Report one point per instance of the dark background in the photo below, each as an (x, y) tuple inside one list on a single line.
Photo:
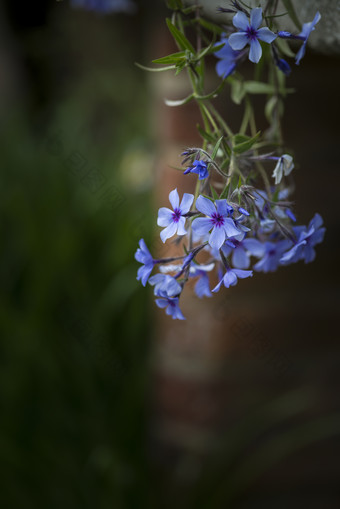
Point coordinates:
[(236, 407)]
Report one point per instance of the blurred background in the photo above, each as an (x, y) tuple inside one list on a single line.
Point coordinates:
[(105, 402)]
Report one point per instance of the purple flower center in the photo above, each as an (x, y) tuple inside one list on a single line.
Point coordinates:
[(251, 33), (176, 215), (272, 252), (217, 219)]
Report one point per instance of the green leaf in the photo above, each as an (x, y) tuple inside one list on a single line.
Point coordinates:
[(257, 87), (243, 143), (205, 135), (217, 146), (214, 193), (157, 69), (292, 14), (225, 192), (237, 91), (212, 48), (180, 38), (179, 102), (212, 94), (175, 4), (284, 47), (170, 59), (216, 29)]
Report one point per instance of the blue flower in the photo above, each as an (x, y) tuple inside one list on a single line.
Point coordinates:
[(250, 33), (231, 276), (105, 6), (165, 285), (307, 29), (307, 239), (143, 256), (218, 220), (199, 167), (271, 256), (228, 58), (202, 287), (242, 250), (172, 307), (173, 220)]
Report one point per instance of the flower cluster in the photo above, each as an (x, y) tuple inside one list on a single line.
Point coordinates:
[(240, 219), (250, 34)]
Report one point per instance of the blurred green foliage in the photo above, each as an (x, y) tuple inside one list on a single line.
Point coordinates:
[(75, 334)]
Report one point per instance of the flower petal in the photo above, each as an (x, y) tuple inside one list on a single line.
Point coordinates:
[(217, 237), (161, 303), (230, 228), (168, 232), (238, 41), (205, 206), (241, 21), (186, 202), (243, 273), (164, 217), (174, 199), (254, 246), (230, 278), (223, 208), (217, 287), (240, 258), (255, 51), (202, 225), (181, 227), (266, 35), (256, 18)]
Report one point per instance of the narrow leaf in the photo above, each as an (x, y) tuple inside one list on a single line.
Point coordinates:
[(180, 38), (217, 146), (155, 69), (245, 145), (179, 102), (292, 14)]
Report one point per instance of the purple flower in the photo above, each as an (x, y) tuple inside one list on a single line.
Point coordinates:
[(199, 167), (105, 6), (172, 307), (173, 220), (228, 58), (165, 285), (307, 239), (250, 33), (231, 276), (143, 256), (218, 220), (307, 29), (271, 255)]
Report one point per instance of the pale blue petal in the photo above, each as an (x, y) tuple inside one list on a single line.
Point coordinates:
[(238, 41), (317, 221), (255, 51), (301, 53), (230, 228), (217, 287), (202, 225), (161, 303), (243, 273), (224, 68), (240, 258), (168, 232), (174, 199), (266, 35), (205, 206), (144, 273), (222, 207), (180, 226), (230, 278), (217, 237), (186, 202), (256, 17), (254, 246), (241, 21), (164, 217)]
